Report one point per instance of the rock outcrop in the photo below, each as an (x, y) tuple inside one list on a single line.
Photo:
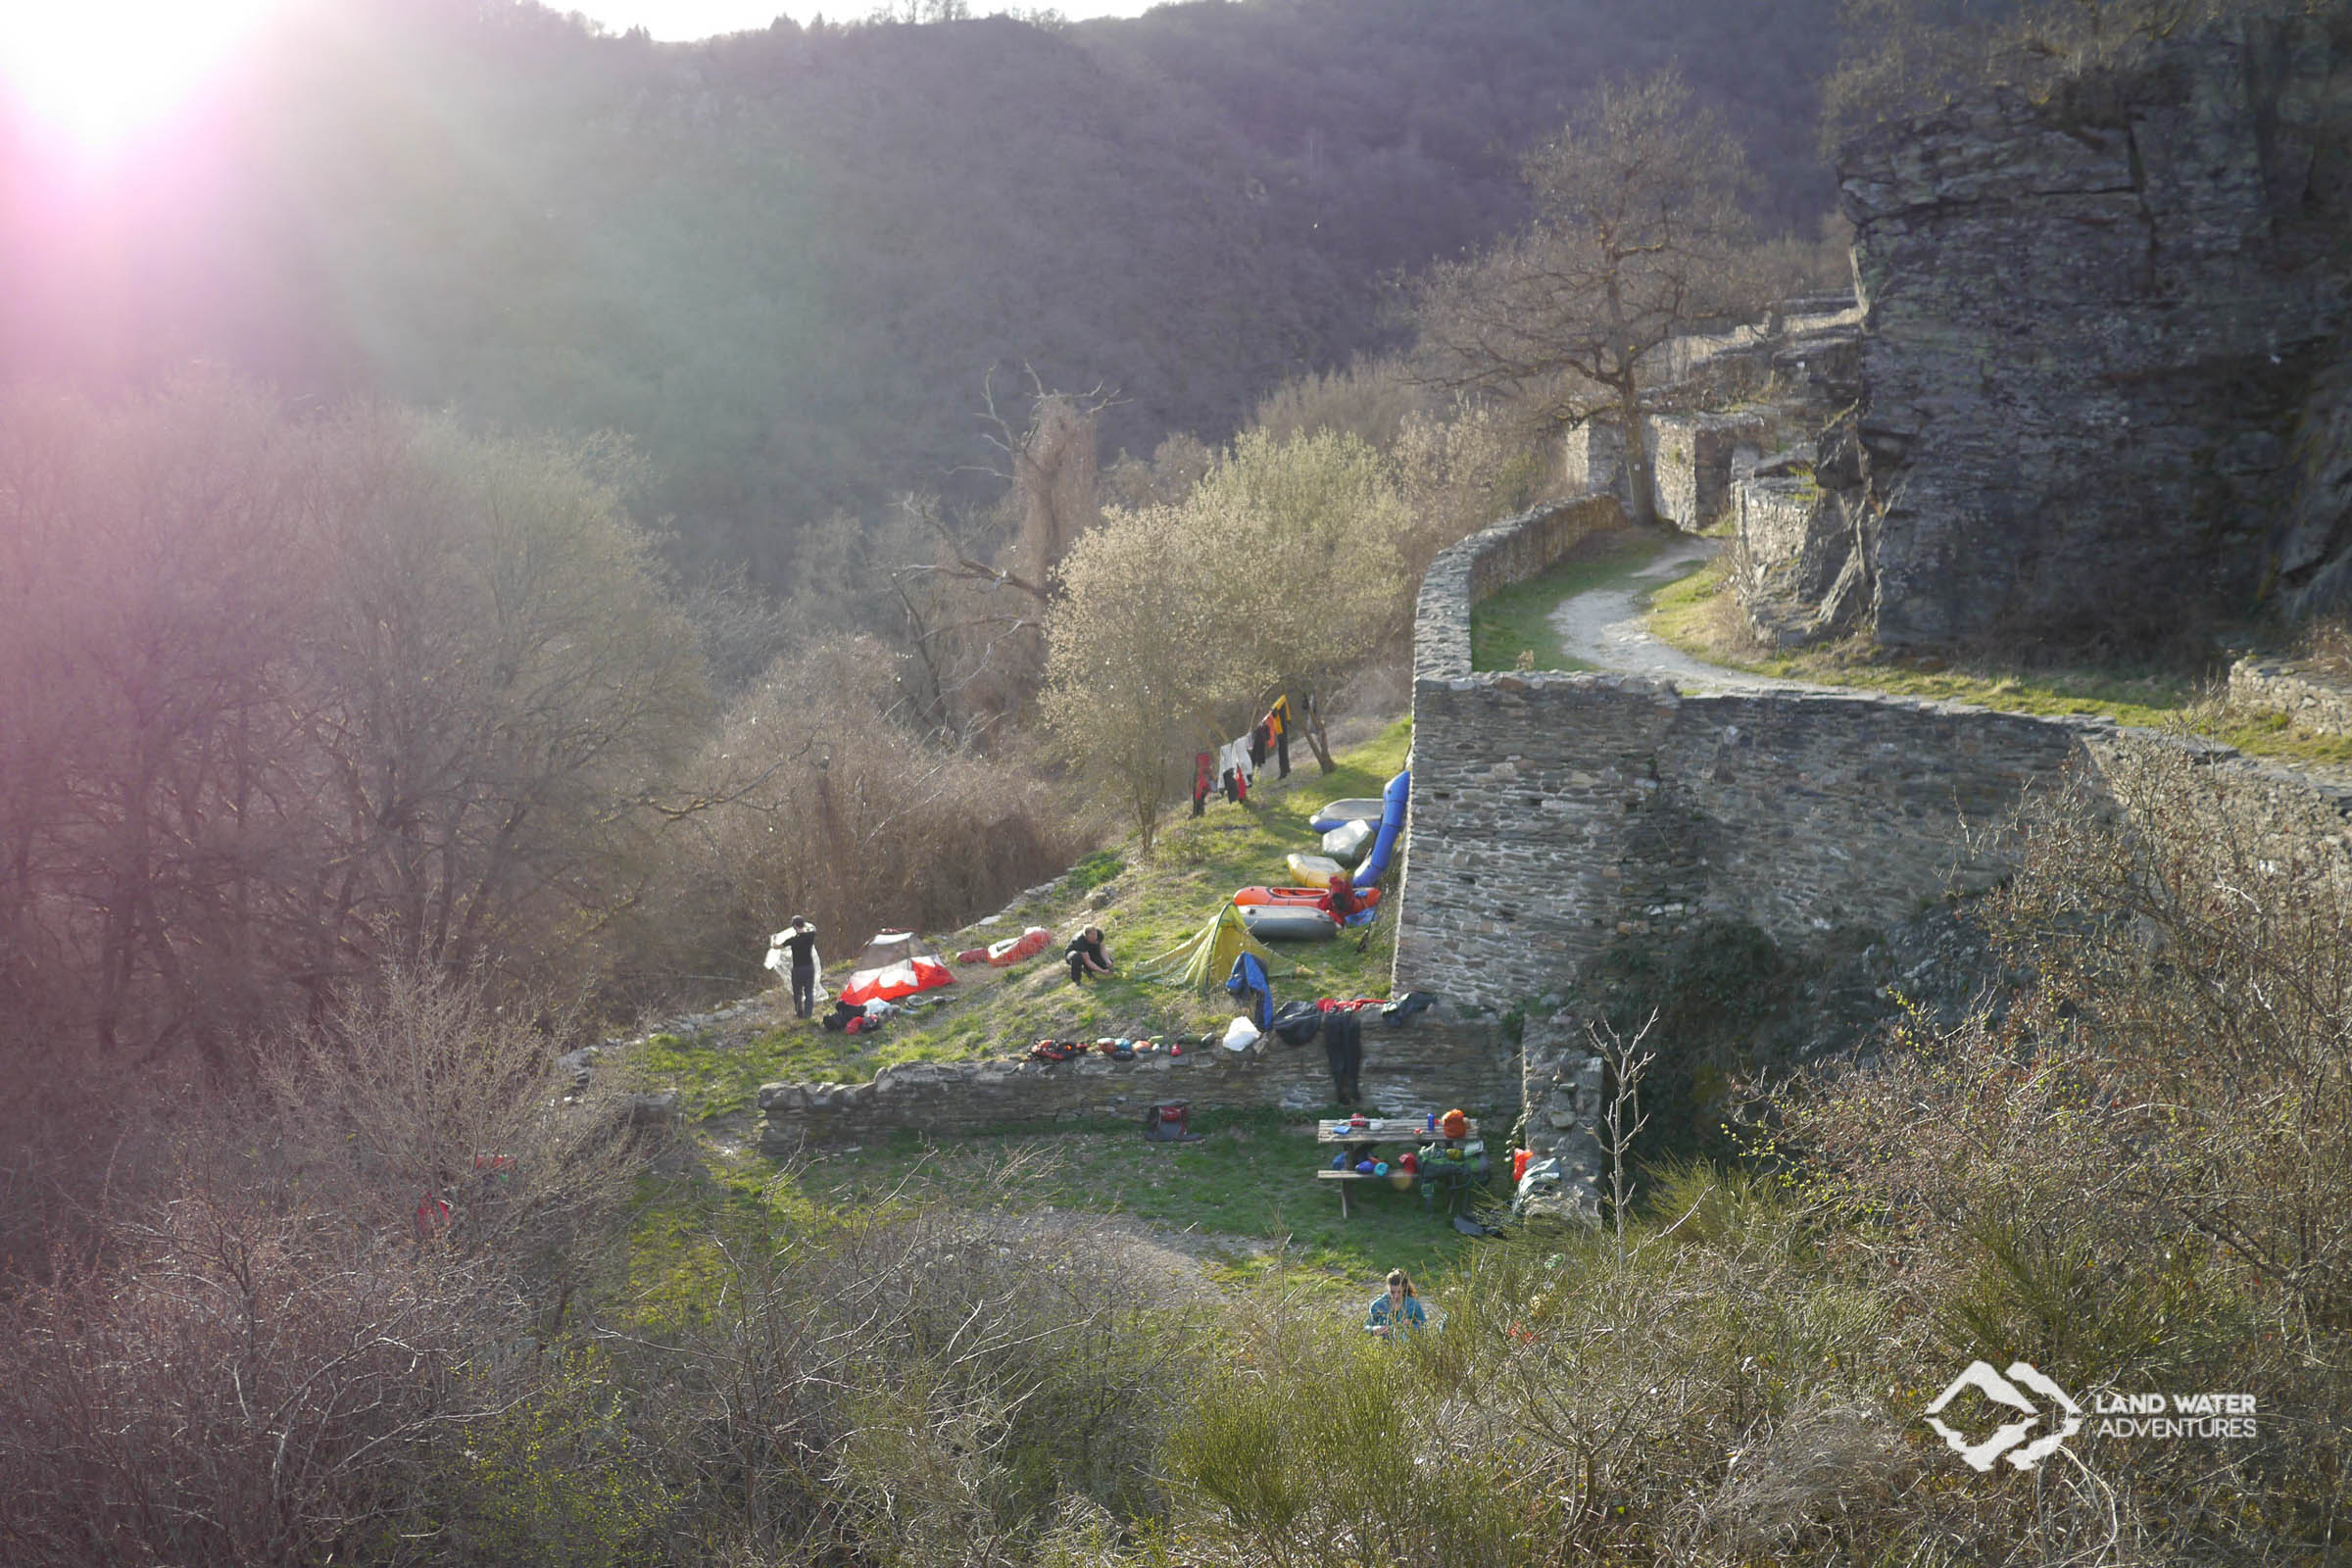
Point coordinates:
[(2096, 327)]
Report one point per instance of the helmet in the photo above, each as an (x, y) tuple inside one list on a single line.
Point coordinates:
[(1454, 1124)]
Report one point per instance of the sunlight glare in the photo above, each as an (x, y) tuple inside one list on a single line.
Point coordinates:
[(100, 70)]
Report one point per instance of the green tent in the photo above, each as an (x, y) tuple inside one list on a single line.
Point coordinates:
[(1203, 961)]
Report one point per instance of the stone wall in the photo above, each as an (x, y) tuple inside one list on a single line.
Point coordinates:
[(2095, 323), (1439, 1059), (1552, 813), (2314, 702)]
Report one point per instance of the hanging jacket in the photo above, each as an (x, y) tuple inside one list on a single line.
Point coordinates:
[(1247, 981)]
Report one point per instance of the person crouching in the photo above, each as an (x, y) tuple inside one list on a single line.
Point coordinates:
[(1086, 955)]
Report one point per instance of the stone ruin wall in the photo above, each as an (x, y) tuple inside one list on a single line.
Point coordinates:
[(1554, 814), (1438, 1060)]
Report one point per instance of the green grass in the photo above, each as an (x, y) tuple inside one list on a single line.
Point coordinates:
[(1248, 1185), (1691, 614), (1146, 908), (1249, 1181), (1518, 618)]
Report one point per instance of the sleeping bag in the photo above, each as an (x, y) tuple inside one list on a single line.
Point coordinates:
[(1013, 950)]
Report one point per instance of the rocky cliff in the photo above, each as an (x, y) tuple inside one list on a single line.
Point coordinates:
[(2101, 377)]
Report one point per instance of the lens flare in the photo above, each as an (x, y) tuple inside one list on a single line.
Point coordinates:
[(100, 70)]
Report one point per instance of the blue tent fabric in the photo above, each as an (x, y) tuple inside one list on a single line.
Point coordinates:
[(1249, 979)]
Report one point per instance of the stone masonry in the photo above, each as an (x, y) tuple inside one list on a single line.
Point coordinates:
[(1552, 814), (1437, 1061)]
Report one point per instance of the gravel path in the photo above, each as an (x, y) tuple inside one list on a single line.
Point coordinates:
[(1604, 626)]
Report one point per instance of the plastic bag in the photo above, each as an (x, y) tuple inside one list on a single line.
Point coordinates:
[(1241, 1035)]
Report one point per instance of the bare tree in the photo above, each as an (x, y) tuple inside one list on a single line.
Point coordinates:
[(1638, 234)]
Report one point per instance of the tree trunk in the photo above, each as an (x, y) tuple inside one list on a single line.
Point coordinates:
[(1640, 484), (1315, 738)]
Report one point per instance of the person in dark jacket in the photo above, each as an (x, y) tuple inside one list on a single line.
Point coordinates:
[(1086, 955), (799, 940)]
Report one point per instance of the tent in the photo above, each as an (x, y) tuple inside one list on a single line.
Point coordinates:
[(1206, 957), (892, 981), (895, 964), (893, 947)]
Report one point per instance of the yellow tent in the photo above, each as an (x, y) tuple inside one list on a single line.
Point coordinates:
[(1204, 959)]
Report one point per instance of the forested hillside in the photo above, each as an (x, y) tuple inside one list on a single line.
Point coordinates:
[(783, 261)]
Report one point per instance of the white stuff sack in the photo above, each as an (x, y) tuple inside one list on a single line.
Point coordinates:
[(1241, 1035)]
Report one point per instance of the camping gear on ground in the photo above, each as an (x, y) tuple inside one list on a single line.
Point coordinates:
[(1241, 1035), (843, 1014), (1165, 1124), (1206, 957), (1052, 1050), (1013, 950), (1288, 923), (1393, 801), (1298, 1022), (1314, 870), (878, 1009), (896, 980), (1540, 1179), (1339, 813), (1247, 984), (1519, 1159), (1347, 842), (972, 956)]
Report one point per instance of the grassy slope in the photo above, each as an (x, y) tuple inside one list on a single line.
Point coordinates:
[(1143, 909), (1518, 618), (1249, 1180), (1689, 615)]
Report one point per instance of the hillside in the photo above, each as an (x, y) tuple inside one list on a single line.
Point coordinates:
[(782, 263)]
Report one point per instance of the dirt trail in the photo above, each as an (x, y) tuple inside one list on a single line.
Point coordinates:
[(1604, 626)]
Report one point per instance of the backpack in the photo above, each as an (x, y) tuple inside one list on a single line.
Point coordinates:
[(1165, 1124)]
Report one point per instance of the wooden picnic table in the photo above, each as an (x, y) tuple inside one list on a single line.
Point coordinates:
[(1412, 1130)]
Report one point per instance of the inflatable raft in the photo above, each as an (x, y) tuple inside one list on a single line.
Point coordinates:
[(1288, 923), (1339, 813)]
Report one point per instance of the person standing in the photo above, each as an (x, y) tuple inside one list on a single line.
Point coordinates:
[(1397, 1310), (798, 941)]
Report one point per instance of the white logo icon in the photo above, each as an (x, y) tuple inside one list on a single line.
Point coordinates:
[(1980, 1377)]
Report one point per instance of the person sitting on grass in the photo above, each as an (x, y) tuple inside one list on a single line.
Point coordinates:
[(1398, 1310), (1086, 955)]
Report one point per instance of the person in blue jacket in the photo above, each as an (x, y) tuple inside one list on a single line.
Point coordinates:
[(1397, 1310)]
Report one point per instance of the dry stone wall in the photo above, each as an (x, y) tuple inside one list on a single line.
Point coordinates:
[(1437, 1061)]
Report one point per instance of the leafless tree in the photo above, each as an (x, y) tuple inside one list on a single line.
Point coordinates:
[(1638, 234)]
